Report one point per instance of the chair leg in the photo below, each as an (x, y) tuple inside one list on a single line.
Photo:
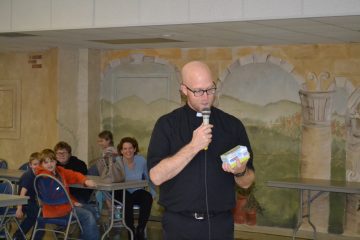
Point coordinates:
[(19, 227), (68, 226), (105, 227), (55, 236), (7, 227), (7, 233), (34, 230), (4, 228)]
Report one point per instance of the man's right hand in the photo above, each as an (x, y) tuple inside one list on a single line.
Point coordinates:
[(169, 167), (202, 137)]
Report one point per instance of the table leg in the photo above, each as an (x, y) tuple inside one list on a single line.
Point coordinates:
[(308, 212), (300, 215), (123, 215), (112, 216), (310, 199)]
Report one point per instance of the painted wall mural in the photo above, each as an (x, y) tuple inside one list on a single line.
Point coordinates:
[(135, 93), (269, 111), (262, 91)]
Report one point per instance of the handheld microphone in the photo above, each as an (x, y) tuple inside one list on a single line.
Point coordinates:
[(206, 117)]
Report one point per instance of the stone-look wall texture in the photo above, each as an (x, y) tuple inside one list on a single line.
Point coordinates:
[(59, 101), (338, 59), (38, 104), (78, 121), (93, 112), (67, 119)]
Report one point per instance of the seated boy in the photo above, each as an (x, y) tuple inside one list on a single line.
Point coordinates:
[(85, 212), (30, 210)]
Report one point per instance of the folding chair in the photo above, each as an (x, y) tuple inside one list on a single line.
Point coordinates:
[(50, 191), (7, 214), (3, 164), (24, 166)]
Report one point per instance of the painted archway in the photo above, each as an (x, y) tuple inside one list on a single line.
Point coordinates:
[(135, 92), (262, 91)]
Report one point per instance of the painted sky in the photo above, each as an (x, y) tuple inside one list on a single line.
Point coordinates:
[(261, 84), (148, 81)]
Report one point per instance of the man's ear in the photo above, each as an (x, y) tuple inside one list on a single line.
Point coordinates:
[(183, 89)]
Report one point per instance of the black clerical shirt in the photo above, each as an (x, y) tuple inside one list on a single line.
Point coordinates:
[(186, 191)]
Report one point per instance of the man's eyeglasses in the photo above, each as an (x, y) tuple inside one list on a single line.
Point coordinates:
[(200, 92)]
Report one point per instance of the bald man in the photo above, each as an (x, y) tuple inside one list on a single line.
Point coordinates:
[(197, 189)]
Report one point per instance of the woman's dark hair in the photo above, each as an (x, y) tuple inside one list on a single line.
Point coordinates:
[(107, 135), (130, 140)]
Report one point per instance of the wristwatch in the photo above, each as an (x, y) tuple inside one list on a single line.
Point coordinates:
[(241, 174)]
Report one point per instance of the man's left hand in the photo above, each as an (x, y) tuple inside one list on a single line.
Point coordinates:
[(238, 168)]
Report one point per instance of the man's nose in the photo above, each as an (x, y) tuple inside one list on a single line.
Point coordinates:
[(205, 96)]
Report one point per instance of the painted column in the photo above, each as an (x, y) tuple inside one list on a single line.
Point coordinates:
[(352, 222), (316, 149)]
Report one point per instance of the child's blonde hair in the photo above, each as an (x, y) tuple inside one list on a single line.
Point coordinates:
[(47, 153), (34, 156)]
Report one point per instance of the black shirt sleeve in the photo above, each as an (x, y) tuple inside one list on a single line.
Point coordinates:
[(158, 147)]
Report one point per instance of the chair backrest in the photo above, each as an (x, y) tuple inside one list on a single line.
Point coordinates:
[(3, 164), (6, 186), (24, 166), (50, 190)]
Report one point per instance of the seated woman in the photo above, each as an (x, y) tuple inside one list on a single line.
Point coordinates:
[(85, 212), (106, 143), (135, 169)]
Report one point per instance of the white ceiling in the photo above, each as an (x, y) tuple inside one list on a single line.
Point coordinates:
[(344, 29)]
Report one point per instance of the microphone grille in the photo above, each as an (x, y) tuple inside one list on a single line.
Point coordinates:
[(206, 112)]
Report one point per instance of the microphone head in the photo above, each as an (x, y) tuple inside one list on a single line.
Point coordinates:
[(206, 112), (206, 115)]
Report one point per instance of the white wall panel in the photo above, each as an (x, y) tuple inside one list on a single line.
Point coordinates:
[(31, 15), (116, 12), (163, 12), (263, 9), (215, 10), (331, 7), (5, 17), (72, 13)]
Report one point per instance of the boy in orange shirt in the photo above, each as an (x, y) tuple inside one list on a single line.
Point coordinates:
[(84, 212)]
